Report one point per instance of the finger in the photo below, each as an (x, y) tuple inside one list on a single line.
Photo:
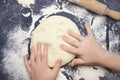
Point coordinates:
[(32, 57), (39, 51), (77, 36), (27, 64), (45, 55), (69, 49), (70, 41), (77, 62), (57, 66), (89, 31)]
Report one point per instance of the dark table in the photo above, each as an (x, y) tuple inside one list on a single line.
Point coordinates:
[(17, 24)]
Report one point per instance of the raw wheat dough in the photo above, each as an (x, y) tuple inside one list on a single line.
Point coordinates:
[(49, 32)]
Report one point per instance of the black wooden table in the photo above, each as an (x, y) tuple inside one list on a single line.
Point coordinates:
[(18, 22)]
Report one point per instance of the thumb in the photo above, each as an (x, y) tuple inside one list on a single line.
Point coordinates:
[(77, 62), (57, 66)]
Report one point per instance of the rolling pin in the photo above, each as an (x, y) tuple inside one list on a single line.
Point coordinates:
[(97, 7)]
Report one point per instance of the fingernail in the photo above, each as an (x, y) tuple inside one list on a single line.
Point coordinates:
[(69, 31), (87, 25), (61, 46), (38, 43), (32, 48), (24, 57), (63, 37), (60, 61), (71, 65)]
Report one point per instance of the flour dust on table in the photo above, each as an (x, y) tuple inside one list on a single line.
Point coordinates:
[(26, 3), (18, 39)]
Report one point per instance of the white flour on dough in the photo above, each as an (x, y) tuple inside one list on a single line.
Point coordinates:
[(26, 3)]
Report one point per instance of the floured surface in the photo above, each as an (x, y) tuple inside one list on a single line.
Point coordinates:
[(26, 3), (16, 30)]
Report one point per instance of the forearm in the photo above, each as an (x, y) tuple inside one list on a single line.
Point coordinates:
[(111, 61)]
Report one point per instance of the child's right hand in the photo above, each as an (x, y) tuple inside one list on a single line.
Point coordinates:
[(37, 67), (87, 48)]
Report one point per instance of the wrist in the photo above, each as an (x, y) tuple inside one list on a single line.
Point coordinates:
[(106, 60), (102, 57)]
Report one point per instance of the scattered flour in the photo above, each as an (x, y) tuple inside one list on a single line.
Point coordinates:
[(99, 30), (26, 3), (114, 42), (17, 45), (88, 73), (26, 15), (13, 55)]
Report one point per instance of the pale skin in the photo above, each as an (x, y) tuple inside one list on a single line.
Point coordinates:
[(38, 68), (90, 51)]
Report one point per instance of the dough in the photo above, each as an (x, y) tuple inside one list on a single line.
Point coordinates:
[(49, 32)]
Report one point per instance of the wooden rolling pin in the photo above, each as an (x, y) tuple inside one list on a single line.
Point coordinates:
[(97, 7)]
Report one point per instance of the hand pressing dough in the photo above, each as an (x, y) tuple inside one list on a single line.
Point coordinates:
[(49, 32)]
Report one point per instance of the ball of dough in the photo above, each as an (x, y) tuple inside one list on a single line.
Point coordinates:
[(49, 32)]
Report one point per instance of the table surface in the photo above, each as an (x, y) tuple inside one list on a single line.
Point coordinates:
[(18, 22)]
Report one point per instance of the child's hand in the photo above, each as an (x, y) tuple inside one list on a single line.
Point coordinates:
[(38, 68), (87, 48)]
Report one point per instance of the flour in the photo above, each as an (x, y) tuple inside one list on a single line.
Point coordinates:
[(114, 41), (26, 15), (14, 52), (16, 49), (17, 44), (53, 9), (89, 74), (26, 3), (99, 30)]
